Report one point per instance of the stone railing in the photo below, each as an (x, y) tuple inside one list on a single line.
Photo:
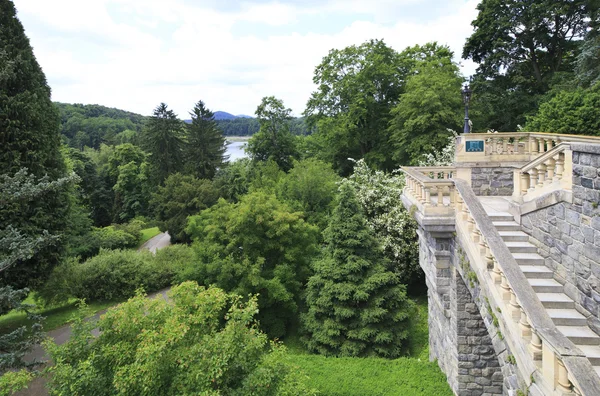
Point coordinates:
[(431, 189), (512, 146), (550, 171), (543, 355)]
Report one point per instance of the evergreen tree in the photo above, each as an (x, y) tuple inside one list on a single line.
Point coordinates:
[(356, 306), (205, 148), (163, 139), (29, 138)]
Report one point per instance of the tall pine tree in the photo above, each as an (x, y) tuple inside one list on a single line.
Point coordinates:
[(356, 306), (29, 138), (205, 146), (163, 138)]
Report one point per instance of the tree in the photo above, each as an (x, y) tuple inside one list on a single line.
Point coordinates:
[(310, 187), (163, 139), (542, 35), (180, 197), (358, 86), (203, 342), (257, 246), (356, 306), (379, 195), (205, 144), (16, 249), (29, 138), (572, 112), (587, 68), (430, 105), (274, 140)]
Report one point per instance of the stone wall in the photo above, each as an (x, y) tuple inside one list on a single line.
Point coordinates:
[(494, 181), (458, 335), (568, 235)]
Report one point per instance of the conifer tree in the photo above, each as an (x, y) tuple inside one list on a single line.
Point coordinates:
[(29, 138), (205, 148), (356, 306), (163, 138)]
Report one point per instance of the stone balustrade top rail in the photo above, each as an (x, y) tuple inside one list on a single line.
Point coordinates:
[(546, 156), (578, 366), (560, 137)]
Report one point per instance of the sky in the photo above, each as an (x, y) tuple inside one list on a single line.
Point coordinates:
[(135, 54)]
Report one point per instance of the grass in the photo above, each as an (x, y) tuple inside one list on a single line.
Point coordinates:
[(148, 233), (413, 375), (56, 316)]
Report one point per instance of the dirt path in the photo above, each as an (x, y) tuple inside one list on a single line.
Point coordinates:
[(62, 334)]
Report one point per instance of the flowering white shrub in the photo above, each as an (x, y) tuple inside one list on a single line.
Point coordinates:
[(444, 157), (379, 195)]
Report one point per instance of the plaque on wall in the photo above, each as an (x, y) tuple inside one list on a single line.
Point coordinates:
[(475, 146)]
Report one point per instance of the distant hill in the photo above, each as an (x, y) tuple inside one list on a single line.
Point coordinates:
[(243, 116), (223, 115)]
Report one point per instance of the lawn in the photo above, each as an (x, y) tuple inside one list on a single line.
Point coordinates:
[(413, 375), (148, 233)]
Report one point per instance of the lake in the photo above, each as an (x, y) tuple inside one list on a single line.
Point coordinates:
[(235, 150)]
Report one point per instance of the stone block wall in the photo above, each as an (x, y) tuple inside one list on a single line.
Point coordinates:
[(568, 235), (494, 181)]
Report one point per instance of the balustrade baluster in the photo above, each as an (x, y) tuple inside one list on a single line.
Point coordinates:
[(541, 168), (515, 306), (540, 145), (489, 259), (516, 145), (476, 234), (524, 325), (532, 179), (482, 244), (440, 196), (505, 145), (496, 272), (427, 196), (550, 165), (548, 144), (563, 383), (532, 145), (560, 167), (505, 288), (535, 345), (524, 183)]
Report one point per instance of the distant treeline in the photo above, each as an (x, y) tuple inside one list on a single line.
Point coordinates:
[(92, 125)]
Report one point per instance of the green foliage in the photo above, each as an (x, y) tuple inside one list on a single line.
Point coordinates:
[(110, 275), (93, 125), (358, 86), (310, 187), (13, 381), (233, 180), (587, 68), (204, 342), (205, 144), (30, 139), (356, 306), (379, 195), (163, 139), (373, 376), (257, 246), (573, 112), (429, 107), (274, 140), (180, 197)]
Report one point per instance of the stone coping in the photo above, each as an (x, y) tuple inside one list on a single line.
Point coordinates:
[(579, 366)]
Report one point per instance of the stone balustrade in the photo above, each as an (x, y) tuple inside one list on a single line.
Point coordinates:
[(431, 189), (542, 354), (552, 170), (512, 146)]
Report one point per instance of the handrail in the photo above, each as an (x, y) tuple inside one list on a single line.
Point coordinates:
[(547, 155), (525, 304), (421, 182), (561, 137)]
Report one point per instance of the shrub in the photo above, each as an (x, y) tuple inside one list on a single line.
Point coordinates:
[(204, 342)]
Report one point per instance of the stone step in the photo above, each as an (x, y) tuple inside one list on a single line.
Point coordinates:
[(528, 258), (507, 225), (537, 271), (546, 286), (567, 317), (501, 216), (592, 352), (556, 300), (580, 335), (521, 247), (597, 369), (514, 236)]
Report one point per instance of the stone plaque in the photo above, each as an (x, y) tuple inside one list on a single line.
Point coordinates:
[(475, 146)]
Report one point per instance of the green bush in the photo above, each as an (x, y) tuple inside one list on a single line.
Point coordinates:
[(204, 342)]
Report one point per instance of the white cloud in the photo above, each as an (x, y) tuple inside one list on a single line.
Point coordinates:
[(179, 52)]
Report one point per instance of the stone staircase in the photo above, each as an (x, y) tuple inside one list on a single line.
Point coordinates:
[(559, 306)]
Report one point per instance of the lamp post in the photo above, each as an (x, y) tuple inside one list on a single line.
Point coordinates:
[(466, 94)]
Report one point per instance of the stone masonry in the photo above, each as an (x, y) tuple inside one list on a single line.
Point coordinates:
[(494, 181), (568, 235), (458, 335)]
